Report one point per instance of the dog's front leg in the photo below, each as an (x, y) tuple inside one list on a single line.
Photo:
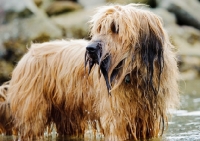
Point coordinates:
[(114, 127)]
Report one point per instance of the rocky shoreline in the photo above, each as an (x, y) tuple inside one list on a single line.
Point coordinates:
[(42, 20)]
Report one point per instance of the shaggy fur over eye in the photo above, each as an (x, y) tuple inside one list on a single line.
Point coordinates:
[(114, 28)]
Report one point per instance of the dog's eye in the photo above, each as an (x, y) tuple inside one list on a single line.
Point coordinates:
[(99, 29), (116, 71), (114, 28), (127, 78)]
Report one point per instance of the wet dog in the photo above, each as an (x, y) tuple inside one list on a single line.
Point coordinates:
[(123, 81)]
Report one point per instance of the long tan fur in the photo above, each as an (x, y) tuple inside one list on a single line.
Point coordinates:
[(51, 84)]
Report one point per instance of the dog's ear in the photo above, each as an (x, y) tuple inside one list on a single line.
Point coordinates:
[(151, 54)]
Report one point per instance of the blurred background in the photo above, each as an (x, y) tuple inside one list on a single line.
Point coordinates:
[(26, 21)]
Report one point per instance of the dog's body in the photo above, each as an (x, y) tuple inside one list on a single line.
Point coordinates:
[(48, 64), (127, 94)]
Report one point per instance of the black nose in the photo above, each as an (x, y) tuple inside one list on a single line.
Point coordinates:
[(93, 47)]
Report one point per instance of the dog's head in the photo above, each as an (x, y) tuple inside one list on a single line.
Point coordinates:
[(127, 43)]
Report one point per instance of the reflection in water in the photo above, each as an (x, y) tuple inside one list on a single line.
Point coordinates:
[(185, 122)]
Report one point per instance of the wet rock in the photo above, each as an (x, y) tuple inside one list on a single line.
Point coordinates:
[(2, 51), (36, 26), (151, 3), (127, 1), (15, 48), (76, 28), (185, 11), (186, 39), (189, 67), (30, 28), (38, 2), (168, 18), (189, 75), (6, 69), (7, 31), (191, 61), (190, 87), (187, 42), (91, 3), (58, 7), (13, 9)]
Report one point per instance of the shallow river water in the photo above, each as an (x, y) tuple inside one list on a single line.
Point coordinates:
[(185, 122)]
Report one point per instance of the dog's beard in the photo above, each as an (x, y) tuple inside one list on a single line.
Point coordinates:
[(92, 59), (104, 67), (95, 58)]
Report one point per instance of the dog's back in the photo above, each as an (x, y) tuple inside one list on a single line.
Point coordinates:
[(40, 81)]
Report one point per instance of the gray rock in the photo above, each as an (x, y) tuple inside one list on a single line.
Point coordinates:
[(150, 3), (168, 18), (187, 42), (16, 6), (74, 24), (188, 62), (91, 3), (185, 11), (38, 2), (37, 25), (30, 28), (6, 69), (13, 9), (34, 28), (189, 75), (7, 31), (186, 39), (2, 50), (58, 7)]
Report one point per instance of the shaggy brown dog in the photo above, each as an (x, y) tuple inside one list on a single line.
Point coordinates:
[(132, 81)]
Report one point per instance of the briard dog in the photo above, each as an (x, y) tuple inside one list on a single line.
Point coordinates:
[(119, 85)]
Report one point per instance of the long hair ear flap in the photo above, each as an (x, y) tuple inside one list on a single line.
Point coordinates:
[(151, 54)]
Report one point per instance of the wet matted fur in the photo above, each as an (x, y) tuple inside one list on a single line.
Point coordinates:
[(131, 86)]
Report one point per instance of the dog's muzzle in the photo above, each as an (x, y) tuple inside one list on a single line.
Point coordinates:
[(94, 51), (93, 56)]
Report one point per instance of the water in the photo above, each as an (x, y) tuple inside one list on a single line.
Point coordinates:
[(184, 124)]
